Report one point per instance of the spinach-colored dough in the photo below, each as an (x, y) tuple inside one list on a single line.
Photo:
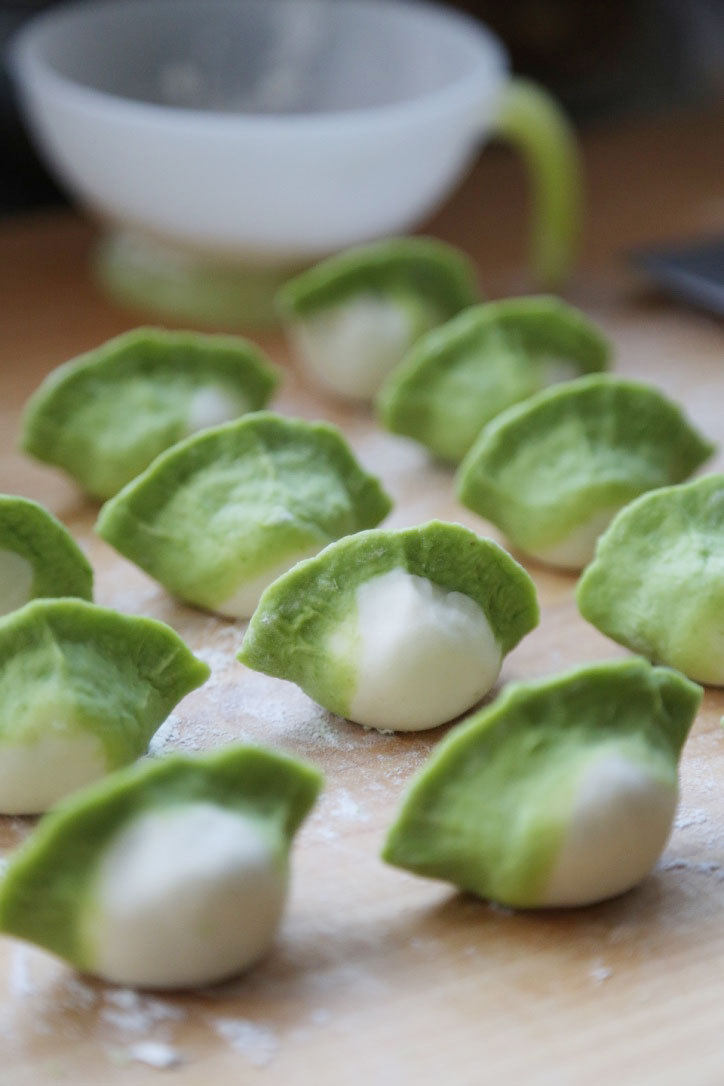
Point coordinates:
[(78, 681), (491, 809), (57, 565), (228, 506), (571, 453), (46, 896), (289, 634), (657, 581), (351, 319), (119, 675), (104, 416), (423, 268), (460, 376)]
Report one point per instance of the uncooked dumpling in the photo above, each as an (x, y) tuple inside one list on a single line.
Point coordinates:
[(352, 318), (38, 556), (82, 690), (656, 583), (170, 874), (399, 630), (562, 792), (104, 416), (221, 515), (552, 471), (460, 376)]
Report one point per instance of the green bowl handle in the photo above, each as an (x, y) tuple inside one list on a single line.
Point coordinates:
[(533, 122)]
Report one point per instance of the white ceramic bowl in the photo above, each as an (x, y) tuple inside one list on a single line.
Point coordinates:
[(274, 129)]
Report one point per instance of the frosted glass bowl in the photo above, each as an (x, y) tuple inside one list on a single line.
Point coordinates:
[(216, 135)]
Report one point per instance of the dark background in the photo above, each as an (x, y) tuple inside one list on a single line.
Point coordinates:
[(604, 59)]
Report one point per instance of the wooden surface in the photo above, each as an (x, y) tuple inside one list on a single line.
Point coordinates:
[(378, 976)]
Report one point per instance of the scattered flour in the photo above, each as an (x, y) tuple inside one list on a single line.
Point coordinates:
[(334, 813), (131, 1012), (692, 817), (80, 996), (600, 973), (190, 737), (44, 998), (346, 808), (219, 646), (154, 1054), (258, 1043)]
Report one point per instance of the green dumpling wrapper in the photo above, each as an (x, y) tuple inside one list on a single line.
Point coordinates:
[(104, 416), (168, 874), (353, 317), (398, 630), (38, 556), (219, 516), (560, 793), (425, 266), (460, 376), (82, 690), (656, 583), (552, 471)]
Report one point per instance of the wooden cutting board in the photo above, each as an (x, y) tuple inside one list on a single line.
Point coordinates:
[(378, 976)]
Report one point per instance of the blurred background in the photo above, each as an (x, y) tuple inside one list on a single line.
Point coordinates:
[(605, 59)]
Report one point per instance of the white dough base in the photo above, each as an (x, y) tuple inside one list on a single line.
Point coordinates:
[(351, 347), (35, 775), (185, 895), (16, 581), (243, 602), (577, 549), (213, 406), (619, 826), (424, 654)]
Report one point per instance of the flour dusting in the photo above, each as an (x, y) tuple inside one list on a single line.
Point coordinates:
[(155, 1054), (127, 1010), (600, 972), (256, 1042)]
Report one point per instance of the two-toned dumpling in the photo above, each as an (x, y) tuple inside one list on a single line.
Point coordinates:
[(562, 792), (104, 416), (170, 874), (458, 377), (657, 581), (219, 516), (353, 317), (82, 690), (552, 471), (38, 556), (399, 630)]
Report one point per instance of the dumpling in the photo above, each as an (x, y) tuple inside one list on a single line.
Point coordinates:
[(221, 515), (82, 690), (398, 630), (460, 376), (38, 556), (104, 416), (170, 874), (656, 583), (560, 793), (353, 317), (552, 471)]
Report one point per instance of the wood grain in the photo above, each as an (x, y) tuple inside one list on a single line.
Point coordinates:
[(378, 976)]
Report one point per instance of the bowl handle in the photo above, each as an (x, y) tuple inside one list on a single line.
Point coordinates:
[(533, 122)]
